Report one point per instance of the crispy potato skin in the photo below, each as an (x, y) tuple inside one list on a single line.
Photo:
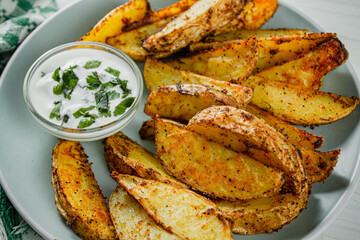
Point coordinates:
[(308, 70), (254, 14), (116, 20), (299, 106), (192, 25), (264, 215), (232, 176), (130, 42), (158, 73), (181, 102), (278, 49), (132, 221), (155, 16), (180, 211), (294, 135), (126, 156), (230, 63), (259, 33), (241, 131), (318, 165), (77, 194)]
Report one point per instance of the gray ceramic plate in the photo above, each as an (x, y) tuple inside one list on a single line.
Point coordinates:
[(25, 149)]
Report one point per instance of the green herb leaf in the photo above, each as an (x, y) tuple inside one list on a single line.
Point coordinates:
[(42, 74), (126, 92), (92, 64), (121, 107), (70, 80), (107, 85), (55, 113), (112, 71), (93, 81), (102, 101), (83, 111), (123, 86), (66, 118), (58, 89), (85, 123), (56, 75), (113, 95)]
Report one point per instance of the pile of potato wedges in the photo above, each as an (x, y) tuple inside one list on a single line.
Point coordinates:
[(224, 100)]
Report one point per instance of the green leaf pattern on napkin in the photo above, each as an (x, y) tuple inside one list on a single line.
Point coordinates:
[(17, 19)]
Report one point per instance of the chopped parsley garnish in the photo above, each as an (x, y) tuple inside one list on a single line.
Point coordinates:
[(92, 64), (102, 93), (83, 112), (121, 107), (102, 102), (66, 118), (56, 75), (112, 71), (55, 113), (86, 122), (58, 89), (93, 81), (113, 95), (69, 81)]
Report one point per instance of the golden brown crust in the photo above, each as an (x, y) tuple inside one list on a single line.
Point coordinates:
[(229, 63), (180, 211), (297, 105), (192, 25), (158, 73), (264, 215), (181, 102), (116, 20), (308, 70), (232, 176), (242, 131), (77, 194), (126, 156)]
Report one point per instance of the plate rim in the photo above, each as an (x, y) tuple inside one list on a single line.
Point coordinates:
[(314, 233)]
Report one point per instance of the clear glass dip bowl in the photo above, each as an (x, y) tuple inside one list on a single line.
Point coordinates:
[(90, 133)]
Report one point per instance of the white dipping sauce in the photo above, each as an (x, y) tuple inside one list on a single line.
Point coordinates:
[(42, 84)]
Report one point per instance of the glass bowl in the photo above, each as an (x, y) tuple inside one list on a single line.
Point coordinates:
[(89, 133)]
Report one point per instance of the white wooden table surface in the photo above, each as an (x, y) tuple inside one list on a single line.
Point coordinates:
[(341, 17)]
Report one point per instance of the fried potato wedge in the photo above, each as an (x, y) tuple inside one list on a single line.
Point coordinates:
[(274, 50), (132, 221), (264, 215), (180, 211), (259, 33), (146, 130), (318, 165), (115, 21), (242, 131), (130, 42), (181, 102), (192, 25), (158, 73), (166, 12), (230, 63), (254, 14), (299, 106), (126, 156), (294, 135), (232, 176), (77, 195), (308, 70)]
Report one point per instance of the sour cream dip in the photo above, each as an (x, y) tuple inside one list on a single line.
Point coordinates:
[(82, 88)]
